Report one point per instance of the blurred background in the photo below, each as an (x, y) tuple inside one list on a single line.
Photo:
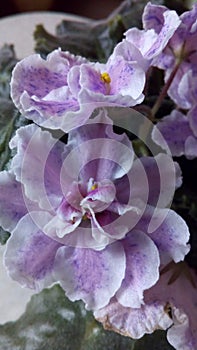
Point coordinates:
[(96, 9)]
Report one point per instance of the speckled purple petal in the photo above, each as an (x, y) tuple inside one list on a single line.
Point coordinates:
[(37, 165), (174, 130), (121, 90), (168, 231), (124, 75), (39, 89), (38, 77), (90, 275), (142, 39), (160, 25), (13, 204), (54, 104), (129, 51), (142, 268), (153, 18), (171, 23), (29, 256), (127, 78), (132, 322)]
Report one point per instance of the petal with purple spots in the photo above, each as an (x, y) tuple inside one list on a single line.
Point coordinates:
[(30, 254), (90, 275), (142, 268)]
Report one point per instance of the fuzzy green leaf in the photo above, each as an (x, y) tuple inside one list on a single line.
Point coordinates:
[(94, 39), (53, 322)]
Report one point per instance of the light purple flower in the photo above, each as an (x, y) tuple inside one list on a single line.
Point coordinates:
[(186, 90), (85, 207), (145, 45), (179, 131), (170, 305), (62, 91), (181, 48)]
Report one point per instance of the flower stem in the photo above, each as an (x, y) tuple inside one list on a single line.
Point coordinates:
[(164, 91)]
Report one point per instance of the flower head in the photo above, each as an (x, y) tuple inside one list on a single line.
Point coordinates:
[(180, 49), (85, 207), (179, 132), (62, 91), (147, 44)]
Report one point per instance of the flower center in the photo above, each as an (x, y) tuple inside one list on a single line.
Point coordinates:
[(94, 187), (105, 78)]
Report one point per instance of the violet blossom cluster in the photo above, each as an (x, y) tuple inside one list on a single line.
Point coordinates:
[(89, 214)]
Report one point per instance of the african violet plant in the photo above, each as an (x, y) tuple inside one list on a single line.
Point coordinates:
[(96, 188)]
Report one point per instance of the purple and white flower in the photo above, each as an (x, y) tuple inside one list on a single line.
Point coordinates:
[(62, 91), (81, 208), (179, 132), (147, 44), (181, 48), (170, 305)]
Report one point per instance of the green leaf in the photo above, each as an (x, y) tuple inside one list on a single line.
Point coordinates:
[(92, 39), (52, 322), (10, 118), (7, 62), (3, 236), (10, 121)]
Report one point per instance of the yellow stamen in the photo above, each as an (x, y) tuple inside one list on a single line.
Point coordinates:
[(105, 78), (94, 187)]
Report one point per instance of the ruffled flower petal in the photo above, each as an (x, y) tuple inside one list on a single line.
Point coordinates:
[(133, 322), (99, 152), (30, 254), (153, 17), (168, 231), (179, 295), (37, 165), (173, 131), (90, 275), (169, 305), (142, 268), (62, 91), (39, 89), (160, 25), (123, 74), (179, 82)]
